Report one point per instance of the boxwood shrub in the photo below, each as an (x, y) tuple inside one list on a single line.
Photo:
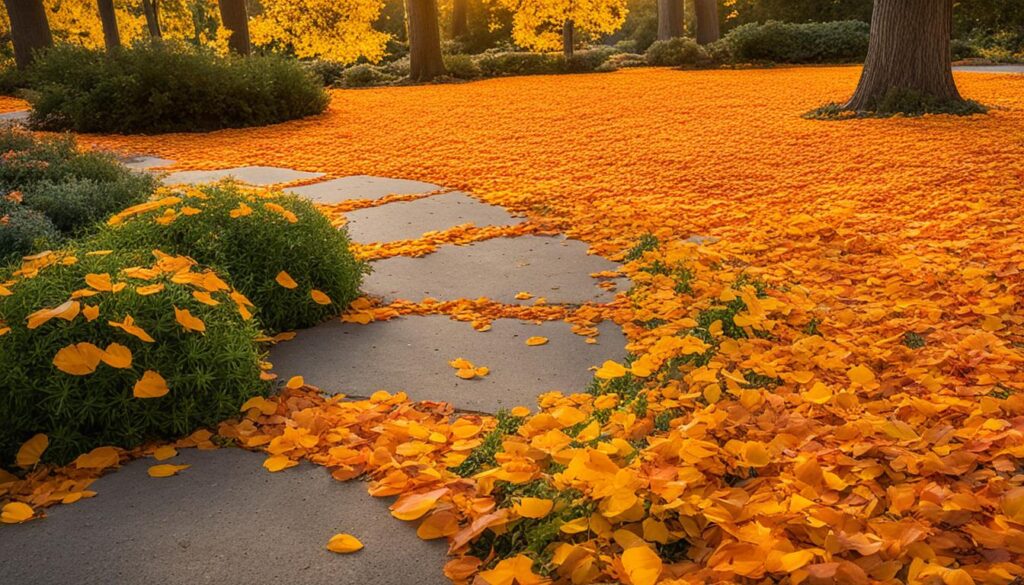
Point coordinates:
[(167, 87), (252, 235), (675, 52), (84, 402), (24, 231), (844, 41)]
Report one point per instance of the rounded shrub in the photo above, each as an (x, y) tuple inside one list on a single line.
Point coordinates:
[(118, 348), (461, 66), (675, 52), (76, 204), (253, 236), (24, 231), (844, 41), (520, 63), (167, 87)]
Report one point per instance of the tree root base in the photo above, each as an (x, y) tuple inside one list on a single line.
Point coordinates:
[(898, 102)]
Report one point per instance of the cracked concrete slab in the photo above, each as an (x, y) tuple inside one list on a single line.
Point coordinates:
[(411, 354), (552, 267), (404, 220), (990, 68), (16, 117), (224, 520), (258, 176), (145, 163), (361, 187)]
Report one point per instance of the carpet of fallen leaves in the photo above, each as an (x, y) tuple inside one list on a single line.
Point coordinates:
[(831, 392), (11, 104)]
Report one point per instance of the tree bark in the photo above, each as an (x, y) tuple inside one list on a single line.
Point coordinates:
[(670, 19), (908, 52), (460, 18), (108, 18), (30, 31), (425, 61), (568, 28), (151, 9), (706, 13), (236, 20)]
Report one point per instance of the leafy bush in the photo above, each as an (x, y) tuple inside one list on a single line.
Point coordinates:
[(518, 63), (625, 60), (461, 66), (843, 41), (251, 236), (589, 60), (366, 75), (675, 52), (11, 78), (167, 87), (75, 205), (329, 72), (72, 361), (24, 231)]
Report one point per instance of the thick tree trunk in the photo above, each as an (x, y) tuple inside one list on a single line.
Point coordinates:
[(568, 30), (425, 61), (108, 18), (236, 20), (151, 9), (460, 18), (908, 53), (706, 13), (670, 19), (30, 30)]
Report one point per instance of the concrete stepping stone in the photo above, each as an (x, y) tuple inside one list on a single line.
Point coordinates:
[(16, 117), (411, 354), (361, 187), (552, 267), (226, 519), (258, 176), (145, 163), (405, 220), (990, 68)]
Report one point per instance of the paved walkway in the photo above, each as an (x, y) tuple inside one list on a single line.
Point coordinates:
[(226, 519)]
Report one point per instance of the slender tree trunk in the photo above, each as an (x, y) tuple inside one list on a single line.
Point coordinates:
[(108, 18), (425, 61), (30, 31), (460, 18), (236, 20), (151, 9), (568, 28), (706, 12), (908, 52), (670, 19)]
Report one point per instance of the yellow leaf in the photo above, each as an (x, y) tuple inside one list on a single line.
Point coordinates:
[(164, 453), (277, 463), (414, 506), (129, 327), (575, 526), (149, 289), (187, 320), (67, 311), (518, 569), (32, 450), (533, 507), (16, 513), (861, 375), (344, 543), (165, 470), (466, 374), (117, 356), (610, 370), (461, 364), (482, 371), (642, 565), (319, 297), (100, 282), (98, 458), (284, 279), (91, 312), (79, 359), (523, 295), (796, 560), (756, 455), (205, 298), (266, 407), (818, 394), (295, 382), (536, 340), (438, 525), (151, 385)]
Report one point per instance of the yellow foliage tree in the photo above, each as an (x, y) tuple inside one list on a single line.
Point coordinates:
[(539, 24), (338, 30)]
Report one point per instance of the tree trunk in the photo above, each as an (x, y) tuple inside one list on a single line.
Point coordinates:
[(108, 18), (30, 30), (908, 52), (460, 18), (236, 20), (706, 12), (670, 19), (568, 28), (425, 61), (151, 9)]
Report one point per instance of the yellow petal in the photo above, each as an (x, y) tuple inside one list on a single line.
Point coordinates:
[(295, 382), (98, 458), (610, 370), (79, 359), (151, 385), (861, 375), (117, 356), (642, 564), (205, 298), (164, 453), (284, 279), (165, 470), (533, 507), (414, 506), (32, 450), (319, 297), (187, 320), (344, 543), (536, 340), (16, 513), (277, 463)]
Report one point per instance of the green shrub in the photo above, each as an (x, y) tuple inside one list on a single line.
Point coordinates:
[(589, 60), (167, 87), (12, 80), (962, 49), (461, 66), (517, 63), (329, 72), (675, 52), (209, 374), (75, 205), (251, 236), (24, 231), (366, 75), (625, 60), (843, 41)]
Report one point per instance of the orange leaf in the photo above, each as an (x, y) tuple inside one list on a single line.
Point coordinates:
[(188, 321), (284, 279), (79, 359), (344, 543), (151, 385), (117, 356), (32, 450), (165, 470), (319, 297)]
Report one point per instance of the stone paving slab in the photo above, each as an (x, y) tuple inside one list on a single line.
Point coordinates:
[(555, 268), (145, 163), (258, 176), (361, 187), (405, 220), (225, 520), (15, 117), (411, 354), (990, 68)]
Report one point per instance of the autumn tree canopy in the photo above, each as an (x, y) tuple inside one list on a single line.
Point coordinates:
[(538, 24)]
